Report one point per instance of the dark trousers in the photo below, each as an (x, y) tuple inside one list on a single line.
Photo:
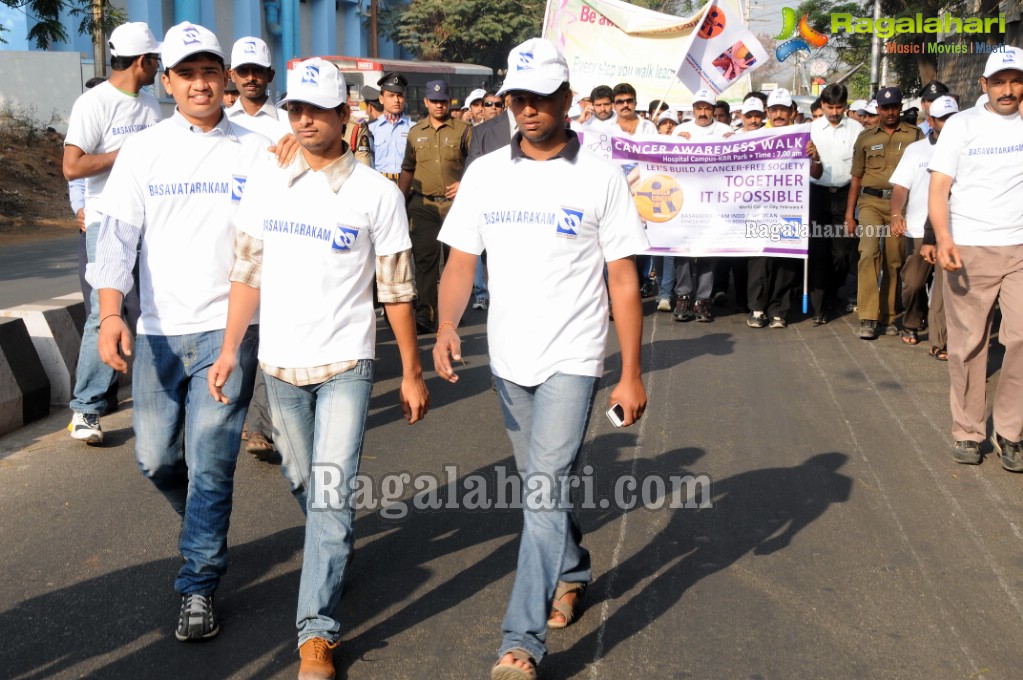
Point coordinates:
[(738, 267), (425, 219), (771, 282), (832, 253), (694, 275)]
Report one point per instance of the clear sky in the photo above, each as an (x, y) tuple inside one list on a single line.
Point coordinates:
[(14, 21)]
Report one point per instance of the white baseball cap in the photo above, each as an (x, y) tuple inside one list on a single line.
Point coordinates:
[(536, 66), (705, 96), (871, 107), (751, 105), (858, 105), (132, 39), (186, 39), (318, 82), (250, 50), (668, 114), (478, 93), (1009, 58), (944, 106), (779, 97)]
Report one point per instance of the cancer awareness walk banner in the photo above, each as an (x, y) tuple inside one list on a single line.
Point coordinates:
[(745, 195), (607, 42)]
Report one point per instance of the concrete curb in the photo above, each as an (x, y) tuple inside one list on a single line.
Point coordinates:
[(24, 385), (55, 329)]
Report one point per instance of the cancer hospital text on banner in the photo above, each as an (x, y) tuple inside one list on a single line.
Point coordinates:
[(724, 51), (745, 195)]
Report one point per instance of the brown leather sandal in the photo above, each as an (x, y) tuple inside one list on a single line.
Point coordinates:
[(569, 611), (509, 672)]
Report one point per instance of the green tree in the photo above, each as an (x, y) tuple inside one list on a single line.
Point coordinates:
[(471, 31), (48, 28)]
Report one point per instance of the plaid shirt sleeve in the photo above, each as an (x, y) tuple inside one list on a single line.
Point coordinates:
[(395, 282), (248, 260)]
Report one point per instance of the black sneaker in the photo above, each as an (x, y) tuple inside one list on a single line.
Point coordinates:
[(756, 320), (684, 309), (197, 620), (1011, 453), (703, 314), (778, 322), (868, 329), (966, 452)]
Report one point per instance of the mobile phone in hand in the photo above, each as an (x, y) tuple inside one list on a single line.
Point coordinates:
[(616, 414)]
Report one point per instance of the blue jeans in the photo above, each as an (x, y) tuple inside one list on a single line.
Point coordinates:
[(479, 283), (546, 425), (92, 377), (665, 276), (187, 444), (319, 429)]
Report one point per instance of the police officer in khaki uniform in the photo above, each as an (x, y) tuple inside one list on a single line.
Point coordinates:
[(876, 154), (434, 161)]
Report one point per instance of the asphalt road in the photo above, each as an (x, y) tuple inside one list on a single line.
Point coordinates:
[(842, 541), (32, 272)]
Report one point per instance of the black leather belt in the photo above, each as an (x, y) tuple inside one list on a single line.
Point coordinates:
[(831, 190), (880, 193), (436, 199)]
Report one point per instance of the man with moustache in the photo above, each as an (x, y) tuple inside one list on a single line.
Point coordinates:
[(627, 120), (832, 253), (974, 207), (876, 154)]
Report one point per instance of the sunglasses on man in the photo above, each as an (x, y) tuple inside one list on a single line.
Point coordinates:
[(491, 105)]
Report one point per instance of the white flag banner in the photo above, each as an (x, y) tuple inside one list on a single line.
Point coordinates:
[(724, 51), (607, 42)]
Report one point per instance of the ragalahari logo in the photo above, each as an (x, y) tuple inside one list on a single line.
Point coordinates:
[(807, 38)]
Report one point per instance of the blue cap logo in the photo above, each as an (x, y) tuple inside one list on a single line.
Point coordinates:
[(250, 47), (525, 61), (311, 74), (190, 36)]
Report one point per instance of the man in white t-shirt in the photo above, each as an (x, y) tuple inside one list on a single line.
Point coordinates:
[(911, 180), (703, 125), (101, 120), (977, 215), (560, 213), (323, 223), (694, 276), (252, 72), (176, 185)]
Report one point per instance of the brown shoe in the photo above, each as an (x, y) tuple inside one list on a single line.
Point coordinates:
[(317, 659)]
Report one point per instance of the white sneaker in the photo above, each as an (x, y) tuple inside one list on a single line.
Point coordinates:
[(85, 427), (481, 303), (664, 305)]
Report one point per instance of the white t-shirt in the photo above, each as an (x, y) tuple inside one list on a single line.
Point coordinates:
[(181, 187), (319, 260), (912, 173), (101, 120), (269, 121), (715, 129), (548, 228), (983, 153)]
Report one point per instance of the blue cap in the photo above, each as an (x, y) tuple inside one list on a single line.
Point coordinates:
[(888, 95), (437, 90)]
